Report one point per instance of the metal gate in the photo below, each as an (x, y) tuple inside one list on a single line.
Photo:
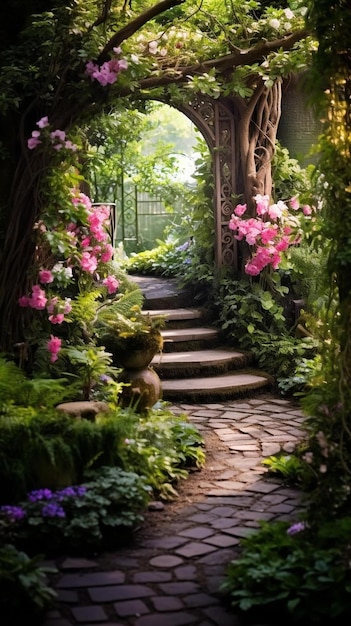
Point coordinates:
[(140, 219)]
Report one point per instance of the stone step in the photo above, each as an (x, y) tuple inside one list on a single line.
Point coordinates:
[(179, 339), (190, 363), (216, 388), (176, 318)]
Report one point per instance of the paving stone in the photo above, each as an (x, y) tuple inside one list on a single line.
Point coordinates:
[(225, 522), (179, 588), (131, 607), (222, 541), (281, 508), (77, 563), (202, 518), (221, 556), (122, 592), (165, 543), (197, 532), (89, 614), (262, 487), (223, 511), (180, 618), (166, 560), (67, 596), (185, 572), (239, 531), (95, 579), (167, 603), (200, 599), (152, 577), (194, 548)]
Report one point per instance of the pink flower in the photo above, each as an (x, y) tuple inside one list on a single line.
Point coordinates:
[(240, 209), (33, 142), (306, 209), (276, 210), (52, 304), (56, 319), (58, 134), (107, 253), (88, 262), (261, 204), (111, 283), (38, 299), (67, 308), (91, 68), (71, 146), (54, 346), (43, 122), (294, 203), (81, 198), (268, 234), (23, 301), (85, 243), (45, 276), (283, 244)]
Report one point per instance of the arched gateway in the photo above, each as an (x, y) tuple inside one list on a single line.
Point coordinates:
[(216, 121)]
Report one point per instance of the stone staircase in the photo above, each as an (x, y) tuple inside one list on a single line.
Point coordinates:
[(194, 366)]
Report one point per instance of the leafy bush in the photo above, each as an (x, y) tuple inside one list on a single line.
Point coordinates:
[(77, 518), (294, 573), (161, 447), (40, 448), (24, 593), (252, 317)]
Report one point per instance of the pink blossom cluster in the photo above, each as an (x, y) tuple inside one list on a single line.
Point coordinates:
[(58, 137), (94, 244), (90, 241), (106, 74), (39, 300), (270, 233)]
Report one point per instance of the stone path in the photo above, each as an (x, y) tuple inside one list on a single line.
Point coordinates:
[(171, 574)]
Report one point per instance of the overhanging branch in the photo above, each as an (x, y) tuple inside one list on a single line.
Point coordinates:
[(132, 27), (221, 64)]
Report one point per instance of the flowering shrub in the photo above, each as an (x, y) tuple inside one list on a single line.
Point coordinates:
[(77, 517), (72, 243), (270, 233)]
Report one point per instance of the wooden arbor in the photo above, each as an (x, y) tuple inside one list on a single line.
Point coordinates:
[(216, 121), (241, 137)]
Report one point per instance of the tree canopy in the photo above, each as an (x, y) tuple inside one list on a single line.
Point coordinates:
[(68, 60)]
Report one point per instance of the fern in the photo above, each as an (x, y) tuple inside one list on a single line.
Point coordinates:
[(84, 308)]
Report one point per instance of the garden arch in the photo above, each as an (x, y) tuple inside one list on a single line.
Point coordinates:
[(215, 119)]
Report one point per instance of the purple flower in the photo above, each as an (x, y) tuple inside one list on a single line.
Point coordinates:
[(296, 528), (40, 494), (53, 510), (70, 492), (14, 513)]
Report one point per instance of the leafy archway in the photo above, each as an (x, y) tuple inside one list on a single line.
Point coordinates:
[(68, 67)]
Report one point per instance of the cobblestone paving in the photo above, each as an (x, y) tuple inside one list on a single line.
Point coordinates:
[(170, 575)]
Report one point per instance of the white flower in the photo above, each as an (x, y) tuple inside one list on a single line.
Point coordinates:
[(274, 23), (289, 14)]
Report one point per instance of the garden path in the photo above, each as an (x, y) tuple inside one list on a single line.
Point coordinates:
[(170, 574)]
